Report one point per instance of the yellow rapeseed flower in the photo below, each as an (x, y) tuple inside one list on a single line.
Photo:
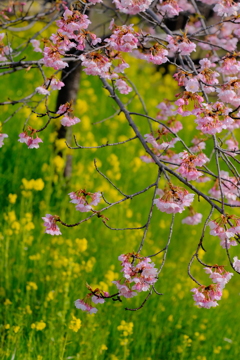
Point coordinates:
[(7, 302), (103, 347), (81, 244), (38, 185), (35, 257), (16, 329), (12, 198), (50, 295), (75, 324), (59, 163), (39, 325), (31, 285), (127, 328), (7, 326), (28, 310)]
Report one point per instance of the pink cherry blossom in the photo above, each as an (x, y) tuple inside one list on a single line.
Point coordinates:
[(124, 290), (123, 87), (69, 120), (56, 84), (132, 6), (96, 64), (52, 58), (236, 264), (207, 296), (173, 200), (226, 235), (124, 38), (227, 8), (188, 165), (42, 90), (84, 200), (157, 54), (193, 220), (50, 223), (2, 137), (219, 275), (180, 44), (36, 45), (192, 85), (29, 140), (80, 304), (170, 8)]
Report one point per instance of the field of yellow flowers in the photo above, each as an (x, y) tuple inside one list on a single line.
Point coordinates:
[(42, 276)]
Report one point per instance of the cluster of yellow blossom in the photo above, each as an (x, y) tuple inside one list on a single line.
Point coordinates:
[(32, 184), (75, 324), (39, 325)]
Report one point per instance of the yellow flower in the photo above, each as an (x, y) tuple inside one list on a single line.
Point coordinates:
[(10, 216), (39, 325), (30, 226), (12, 198), (35, 257), (7, 326), (50, 296), (31, 285), (26, 194), (7, 302), (127, 328), (28, 310), (81, 244), (16, 329), (75, 324), (16, 226), (217, 350), (90, 263), (59, 163), (103, 347), (39, 357), (38, 184)]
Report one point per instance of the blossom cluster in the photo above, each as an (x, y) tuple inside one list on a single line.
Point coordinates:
[(207, 296), (138, 270), (85, 200)]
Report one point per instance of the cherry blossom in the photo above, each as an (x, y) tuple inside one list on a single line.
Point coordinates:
[(123, 87), (225, 234), (173, 199), (188, 165), (170, 8), (156, 54), (36, 45), (180, 44), (84, 200), (218, 275), (50, 223), (29, 140), (124, 38), (96, 64), (124, 290), (236, 264), (80, 304), (68, 120), (193, 220), (207, 296), (42, 90), (132, 6), (56, 84), (2, 137)]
